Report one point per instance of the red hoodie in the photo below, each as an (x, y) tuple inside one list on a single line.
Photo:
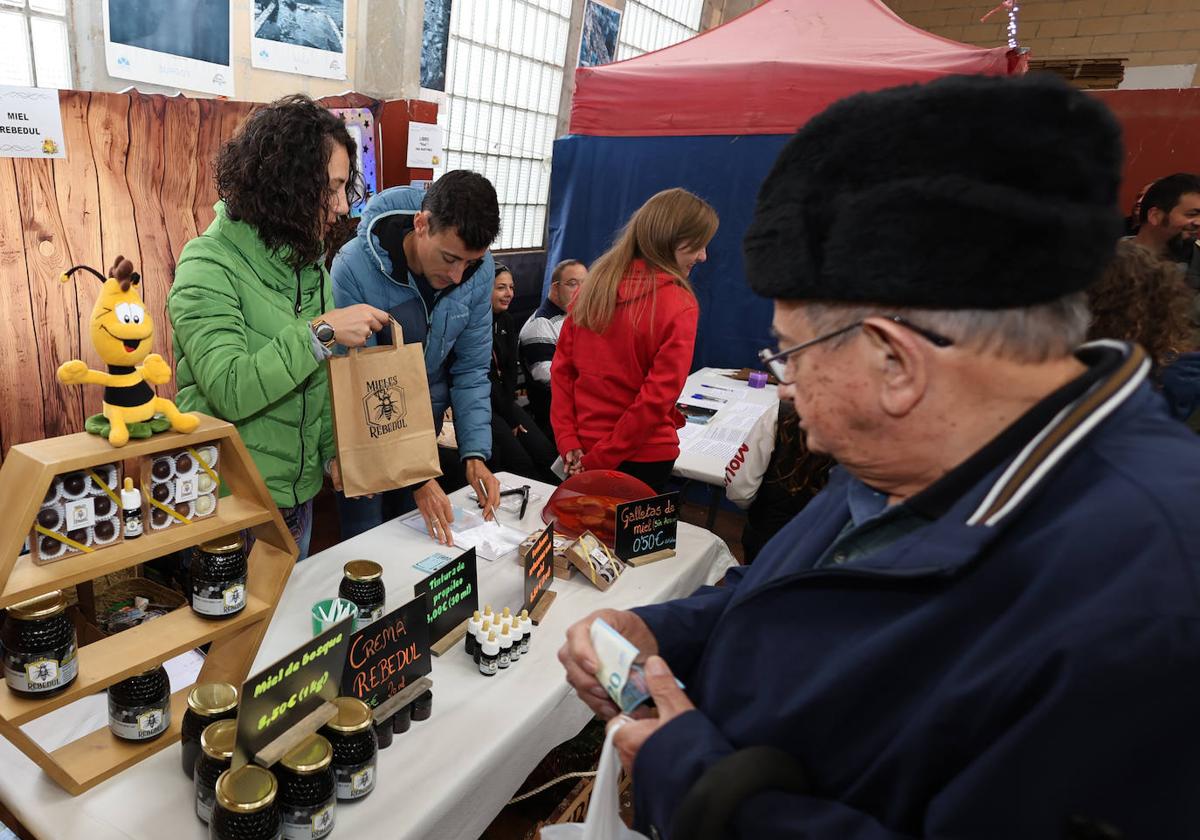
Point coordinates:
[(614, 395)]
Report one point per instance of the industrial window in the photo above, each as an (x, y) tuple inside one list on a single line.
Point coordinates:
[(504, 66), (650, 25), (33, 44)]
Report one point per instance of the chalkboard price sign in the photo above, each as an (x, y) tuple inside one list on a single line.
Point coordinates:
[(388, 654), (453, 595), (285, 692), (646, 529), (539, 567)]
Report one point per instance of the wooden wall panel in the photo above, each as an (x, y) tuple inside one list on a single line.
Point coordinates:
[(55, 313), (20, 377), (137, 181), (79, 207)]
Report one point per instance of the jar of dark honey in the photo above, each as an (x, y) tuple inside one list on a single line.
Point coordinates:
[(207, 703), (40, 647)]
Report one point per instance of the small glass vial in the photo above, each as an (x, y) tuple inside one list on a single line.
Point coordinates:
[(131, 510), (473, 625), (139, 708), (41, 651), (422, 707), (526, 631), (514, 630), (219, 577), (307, 790), (506, 643), (216, 754), (362, 583), (352, 735), (246, 807), (489, 656), (207, 703)]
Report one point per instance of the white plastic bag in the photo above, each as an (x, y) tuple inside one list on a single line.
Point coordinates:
[(603, 820)]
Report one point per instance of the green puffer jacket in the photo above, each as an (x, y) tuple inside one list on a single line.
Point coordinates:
[(243, 352)]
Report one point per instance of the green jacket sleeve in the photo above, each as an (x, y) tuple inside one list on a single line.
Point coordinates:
[(328, 446), (207, 319)]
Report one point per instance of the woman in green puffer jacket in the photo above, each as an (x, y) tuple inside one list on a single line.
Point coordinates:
[(252, 305)]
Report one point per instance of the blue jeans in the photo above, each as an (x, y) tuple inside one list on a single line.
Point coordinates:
[(363, 514), (299, 521)]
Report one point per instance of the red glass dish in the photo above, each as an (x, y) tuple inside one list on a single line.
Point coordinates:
[(588, 502)]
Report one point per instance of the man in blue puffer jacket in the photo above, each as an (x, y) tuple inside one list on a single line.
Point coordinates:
[(423, 257)]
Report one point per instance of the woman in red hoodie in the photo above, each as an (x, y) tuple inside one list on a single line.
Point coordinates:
[(626, 347)]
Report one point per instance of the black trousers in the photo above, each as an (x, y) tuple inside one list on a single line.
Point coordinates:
[(654, 473), (529, 453)]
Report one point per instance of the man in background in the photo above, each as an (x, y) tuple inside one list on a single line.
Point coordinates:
[(539, 338)]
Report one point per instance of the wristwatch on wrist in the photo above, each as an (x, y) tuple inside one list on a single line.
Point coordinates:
[(324, 332)]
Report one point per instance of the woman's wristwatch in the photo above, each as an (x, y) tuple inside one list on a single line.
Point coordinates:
[(324, 332)]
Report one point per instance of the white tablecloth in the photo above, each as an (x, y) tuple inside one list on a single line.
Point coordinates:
[(445, 778), (705, 450)]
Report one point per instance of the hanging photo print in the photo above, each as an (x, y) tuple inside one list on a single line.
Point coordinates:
[(181, 44), (598, 40), (307, 37), (435, 36)]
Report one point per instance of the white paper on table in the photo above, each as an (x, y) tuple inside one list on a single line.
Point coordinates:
[(491, 540)]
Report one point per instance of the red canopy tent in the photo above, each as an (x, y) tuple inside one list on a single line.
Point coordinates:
[(769, 70), (711, 115)]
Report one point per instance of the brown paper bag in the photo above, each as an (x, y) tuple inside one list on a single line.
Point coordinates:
[(382, 417)]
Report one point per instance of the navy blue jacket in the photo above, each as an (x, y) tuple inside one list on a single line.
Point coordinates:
[(1005, 667)]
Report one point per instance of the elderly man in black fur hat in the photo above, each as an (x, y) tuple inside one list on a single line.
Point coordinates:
[(988, 625)]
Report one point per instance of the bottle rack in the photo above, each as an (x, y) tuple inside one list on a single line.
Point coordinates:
[(25, 477)]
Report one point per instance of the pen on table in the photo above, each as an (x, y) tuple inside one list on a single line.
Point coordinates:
[(716, 388), (710, 399)]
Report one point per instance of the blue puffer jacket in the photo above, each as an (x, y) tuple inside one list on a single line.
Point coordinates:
[(458, 341)]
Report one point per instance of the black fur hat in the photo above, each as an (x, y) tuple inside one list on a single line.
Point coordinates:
[(969, 192)]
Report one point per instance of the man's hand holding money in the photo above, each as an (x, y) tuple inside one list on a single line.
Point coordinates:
[(670, 701), (582, 664)]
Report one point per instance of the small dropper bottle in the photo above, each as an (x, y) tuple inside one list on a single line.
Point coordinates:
[(489, 655)]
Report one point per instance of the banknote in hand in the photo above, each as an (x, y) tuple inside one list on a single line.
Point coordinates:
[(622, 678)]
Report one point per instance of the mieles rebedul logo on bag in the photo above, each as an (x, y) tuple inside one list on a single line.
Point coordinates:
[(384, 406)]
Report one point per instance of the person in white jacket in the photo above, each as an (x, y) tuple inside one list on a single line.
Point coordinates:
[(773, 476)]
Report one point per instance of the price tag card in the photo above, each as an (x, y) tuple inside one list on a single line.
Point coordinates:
[(647, 527)]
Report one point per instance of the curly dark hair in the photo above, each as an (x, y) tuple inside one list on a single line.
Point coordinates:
[(277, 167), (466, 201), (1144, 299), (809, 472)]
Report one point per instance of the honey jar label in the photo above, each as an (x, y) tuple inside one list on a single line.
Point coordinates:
[(307, 823), (354, 784), (234, 597), (139, 723), (40, 672)]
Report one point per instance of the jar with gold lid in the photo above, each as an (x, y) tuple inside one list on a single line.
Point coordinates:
[(246, 807), (351, 732), (207, 703), (219, 577), (362, 583), (216, 754), (40, 646), (307, 790)]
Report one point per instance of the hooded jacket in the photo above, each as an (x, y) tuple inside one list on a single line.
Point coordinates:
[(240, 318), (613, 394), (457, 330)]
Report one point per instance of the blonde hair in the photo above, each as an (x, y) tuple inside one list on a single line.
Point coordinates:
[(671, 219)]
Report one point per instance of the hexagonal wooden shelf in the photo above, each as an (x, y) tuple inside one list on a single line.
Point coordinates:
[(25, 477)]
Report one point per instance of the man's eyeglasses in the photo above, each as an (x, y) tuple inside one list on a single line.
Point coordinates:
[(777, 363)]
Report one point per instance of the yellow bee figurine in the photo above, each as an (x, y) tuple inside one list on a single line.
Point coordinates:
[(122, 331)]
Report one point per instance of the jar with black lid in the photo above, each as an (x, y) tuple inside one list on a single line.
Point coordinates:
[(352, 735), (246, 807), (362, 583), (307, 790), (216, 754), (41, 652), (139, 708), (207, 703), (219, 577)]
